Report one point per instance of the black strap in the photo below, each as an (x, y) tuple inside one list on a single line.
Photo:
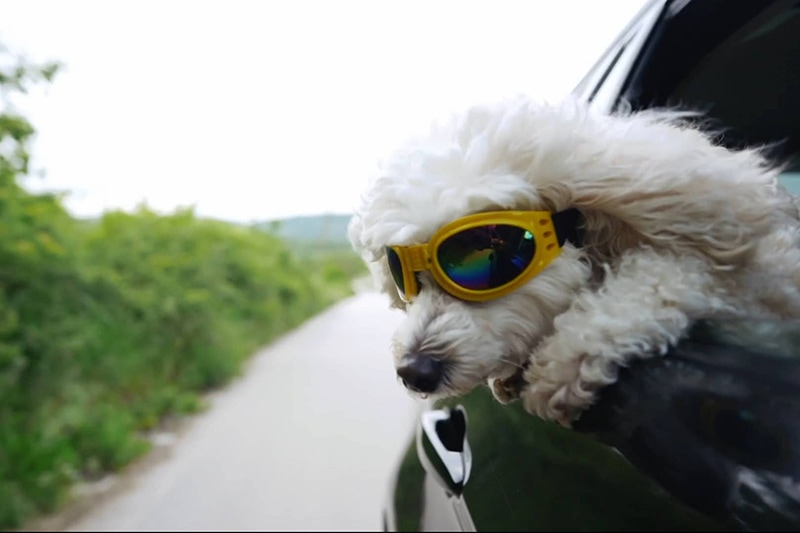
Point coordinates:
[(566, 223)]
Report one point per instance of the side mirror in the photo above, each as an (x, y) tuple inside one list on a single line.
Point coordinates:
[(443, 448)]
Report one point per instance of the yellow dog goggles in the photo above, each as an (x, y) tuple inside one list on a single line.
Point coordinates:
[(484, 256)]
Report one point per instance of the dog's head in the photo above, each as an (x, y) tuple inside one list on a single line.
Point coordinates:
[(635, 179)]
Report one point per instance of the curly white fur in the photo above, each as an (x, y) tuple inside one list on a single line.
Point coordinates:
[(676, 228)]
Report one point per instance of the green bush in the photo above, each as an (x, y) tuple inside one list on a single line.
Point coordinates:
[(108, 326)]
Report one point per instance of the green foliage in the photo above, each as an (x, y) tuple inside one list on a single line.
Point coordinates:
[(107, 327)]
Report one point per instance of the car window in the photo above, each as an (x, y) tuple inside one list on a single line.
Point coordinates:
[(742, 72), (791, 180), (605, 96), (751, 84), (589, 85), (603, 81)]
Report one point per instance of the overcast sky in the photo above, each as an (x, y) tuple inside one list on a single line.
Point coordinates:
[(253, 110)]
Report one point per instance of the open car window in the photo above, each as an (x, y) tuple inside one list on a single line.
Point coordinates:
[(737, 62)]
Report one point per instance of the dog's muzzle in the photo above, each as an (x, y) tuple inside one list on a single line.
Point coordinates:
[(421, 372)]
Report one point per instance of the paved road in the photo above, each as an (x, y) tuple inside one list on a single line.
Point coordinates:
[(306, 440)]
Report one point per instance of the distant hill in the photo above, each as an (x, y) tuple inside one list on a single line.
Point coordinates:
[(329, 229), (324, 229)]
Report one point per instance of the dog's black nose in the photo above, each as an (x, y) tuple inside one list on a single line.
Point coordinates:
[(421, 372)]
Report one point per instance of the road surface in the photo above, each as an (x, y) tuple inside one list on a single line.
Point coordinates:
[(306, 440)]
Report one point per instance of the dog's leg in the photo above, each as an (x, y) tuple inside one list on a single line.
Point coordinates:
[(643, 307)]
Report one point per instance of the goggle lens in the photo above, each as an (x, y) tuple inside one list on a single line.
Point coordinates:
[(396, 268), (485, 257)]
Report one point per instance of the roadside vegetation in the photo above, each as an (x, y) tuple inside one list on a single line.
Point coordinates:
[(108, 326)]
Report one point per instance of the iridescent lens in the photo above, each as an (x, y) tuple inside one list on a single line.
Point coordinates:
[(486, 257), (396, 268)]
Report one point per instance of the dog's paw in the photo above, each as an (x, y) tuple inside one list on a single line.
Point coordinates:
[(550, 402), (556, 392), (508, 390)]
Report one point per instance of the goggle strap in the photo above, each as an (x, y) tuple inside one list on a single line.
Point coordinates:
[(566, 225)]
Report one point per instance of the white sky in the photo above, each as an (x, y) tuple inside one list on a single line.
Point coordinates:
[(253, 110)]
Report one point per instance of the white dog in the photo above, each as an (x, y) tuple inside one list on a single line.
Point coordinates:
[(672, 228)]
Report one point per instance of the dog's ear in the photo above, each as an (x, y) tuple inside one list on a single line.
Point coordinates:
[(656, 178)]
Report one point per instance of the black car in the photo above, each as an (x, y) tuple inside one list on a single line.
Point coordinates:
[(706, 438)]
